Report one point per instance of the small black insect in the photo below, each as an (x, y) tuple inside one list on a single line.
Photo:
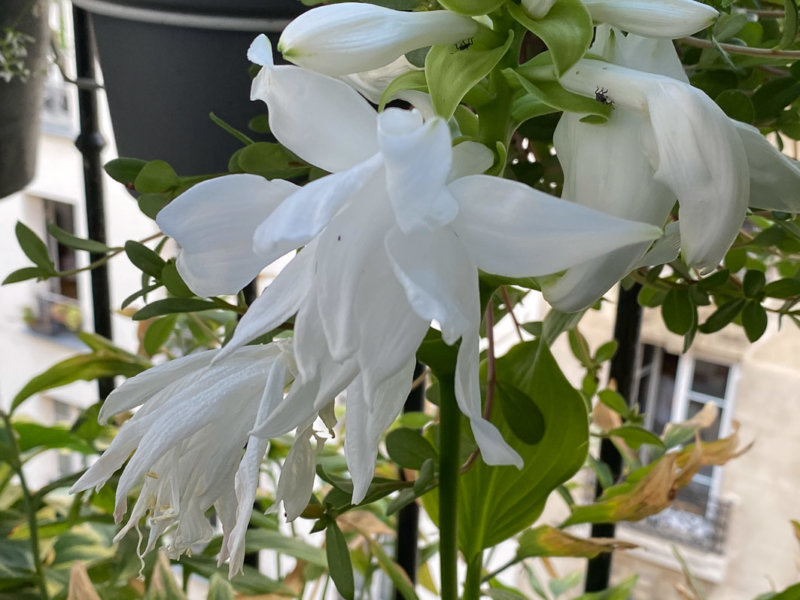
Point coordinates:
[(464, 44), (600, 94)]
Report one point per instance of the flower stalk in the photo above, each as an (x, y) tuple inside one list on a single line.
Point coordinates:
[(450, 438)]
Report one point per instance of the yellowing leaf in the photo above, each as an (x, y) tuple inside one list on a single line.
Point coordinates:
[(550, 541), (80, 586)]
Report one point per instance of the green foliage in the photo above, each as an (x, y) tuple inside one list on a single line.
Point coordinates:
[(498, 502), (339, 563)]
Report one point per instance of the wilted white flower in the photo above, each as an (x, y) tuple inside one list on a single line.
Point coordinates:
[(188, 442)]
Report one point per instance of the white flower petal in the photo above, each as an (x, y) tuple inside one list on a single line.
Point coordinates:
[(138, 389), (494, 449), (321, 119), (537, 9), (213, 222), (260, 51), (247, 475), (304, 214), (280, 300), (296, 481), (371, 84), (580, 286), (418, 158), (511, 229), (469, 158), (774, 177), (369, 413), (385, 314), (344, 248), (664, 18), (437, 276), (351, 37), (666, 248), (702, 160)]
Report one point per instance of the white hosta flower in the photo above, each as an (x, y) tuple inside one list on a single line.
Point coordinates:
[(653, 18), (390, 244), (665, 141), (187, 441), (352, 37)]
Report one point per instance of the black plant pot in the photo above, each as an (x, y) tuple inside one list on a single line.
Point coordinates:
[(21, 100), (168, 63)]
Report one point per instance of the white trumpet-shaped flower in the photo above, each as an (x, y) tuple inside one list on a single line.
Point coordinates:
[(188, 442), (391, 242), (352, 37), (665, 141), (658, 19)]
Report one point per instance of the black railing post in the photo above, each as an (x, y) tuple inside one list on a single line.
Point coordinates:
[(623, 370), (408, 516), (90, 142)]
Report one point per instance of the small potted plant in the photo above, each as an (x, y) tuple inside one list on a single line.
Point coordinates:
[(24, 38)]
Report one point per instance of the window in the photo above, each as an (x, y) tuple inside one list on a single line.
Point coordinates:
[(675, 388), (57, 309)]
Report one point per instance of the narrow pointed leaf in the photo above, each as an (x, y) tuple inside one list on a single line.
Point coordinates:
[(339, 565), (34, 248)]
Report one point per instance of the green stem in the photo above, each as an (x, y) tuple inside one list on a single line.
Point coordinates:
[(472, 587), (450, 434), (30, 505)]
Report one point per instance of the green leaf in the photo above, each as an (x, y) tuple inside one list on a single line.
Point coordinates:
[(678, 311), (157, 334), (542, 97), (339, 565), (124, 170), (561, 585), (524, 418), (151, 204), (789, 24), (77, 243), (754, 320), (737, 105), (408, 448), (723, 315), (472, 7), (606, 351), (783, 288), (264, 539), (250, 582), (621, 591), (635, 436), (614, 401), (174, 282), (172, 305), (566, 30), (410, 80), (34, 248), (499, 594), (26, 273), (85, 367), (156, 177), (770, 99), (451, 72), (219, 588), (498, 502), (245, 139), (269, 160), (145, 259), (753, 282), (397, 575), (36, 435)]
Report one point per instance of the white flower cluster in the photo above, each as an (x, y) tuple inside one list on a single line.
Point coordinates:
[(392, 240)]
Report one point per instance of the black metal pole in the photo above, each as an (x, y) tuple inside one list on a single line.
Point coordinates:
[(623, 370), (408, 517), (90, 142)]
